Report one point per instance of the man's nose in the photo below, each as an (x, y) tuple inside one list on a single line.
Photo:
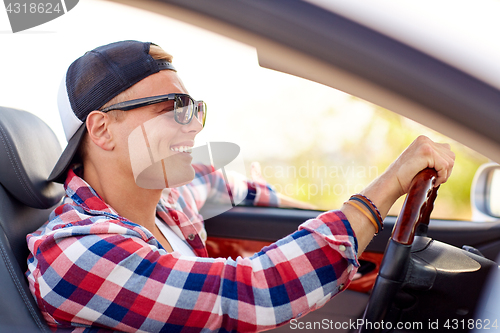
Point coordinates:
[(193, 126)]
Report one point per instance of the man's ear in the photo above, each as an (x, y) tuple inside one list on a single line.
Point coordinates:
[(98, 130)]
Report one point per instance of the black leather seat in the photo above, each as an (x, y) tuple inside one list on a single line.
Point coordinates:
[(28, 151)]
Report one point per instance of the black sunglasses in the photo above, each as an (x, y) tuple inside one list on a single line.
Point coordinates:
[(185, 107)]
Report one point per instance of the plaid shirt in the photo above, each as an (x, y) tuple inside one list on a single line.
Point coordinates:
[(92, 270)]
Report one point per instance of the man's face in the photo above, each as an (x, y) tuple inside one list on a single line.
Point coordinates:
[(150, 139)]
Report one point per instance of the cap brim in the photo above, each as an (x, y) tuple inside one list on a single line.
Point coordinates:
[(60, 170)]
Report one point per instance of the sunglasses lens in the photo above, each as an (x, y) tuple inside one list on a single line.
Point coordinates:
[(202, 112), (184, 109)]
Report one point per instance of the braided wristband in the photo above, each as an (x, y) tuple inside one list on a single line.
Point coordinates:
[(370, 217), (371, 208)]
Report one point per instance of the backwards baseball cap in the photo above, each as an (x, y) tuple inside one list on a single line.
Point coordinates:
[(93, 80)]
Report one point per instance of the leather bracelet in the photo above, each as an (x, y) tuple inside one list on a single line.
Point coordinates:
[(361, 196), (371, 208), (370, 217)]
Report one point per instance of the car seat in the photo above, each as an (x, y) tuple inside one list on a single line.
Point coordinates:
[(28, 151)]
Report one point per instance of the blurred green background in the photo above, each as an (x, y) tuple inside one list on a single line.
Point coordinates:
[(327, 180)]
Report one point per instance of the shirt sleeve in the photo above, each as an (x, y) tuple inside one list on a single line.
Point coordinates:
[(120, 281), (216, 186)]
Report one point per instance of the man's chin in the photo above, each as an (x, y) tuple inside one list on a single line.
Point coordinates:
[(160, 176), (180, 178)]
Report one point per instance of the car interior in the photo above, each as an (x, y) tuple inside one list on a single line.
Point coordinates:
[(30, 148), (438, 276)]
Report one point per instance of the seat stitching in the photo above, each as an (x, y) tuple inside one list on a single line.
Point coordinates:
[(16, 167), (21, 291)]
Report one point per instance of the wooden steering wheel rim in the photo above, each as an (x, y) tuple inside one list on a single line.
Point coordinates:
[(414, 217), (417, 207)]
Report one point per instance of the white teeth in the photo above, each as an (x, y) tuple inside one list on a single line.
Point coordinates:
[(182, 149)]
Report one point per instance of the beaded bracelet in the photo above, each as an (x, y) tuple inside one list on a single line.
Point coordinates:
[(371, 208)]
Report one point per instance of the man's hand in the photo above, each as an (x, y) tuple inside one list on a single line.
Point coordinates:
[(423, 153), (395, 181)]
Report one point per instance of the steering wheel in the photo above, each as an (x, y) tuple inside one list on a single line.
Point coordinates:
[(413, 219)]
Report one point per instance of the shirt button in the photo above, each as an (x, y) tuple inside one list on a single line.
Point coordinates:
[(342, 248), (191, 237)]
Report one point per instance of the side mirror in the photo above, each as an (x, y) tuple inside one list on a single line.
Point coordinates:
[(485, 193)]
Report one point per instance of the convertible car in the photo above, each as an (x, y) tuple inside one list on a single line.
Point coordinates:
[(419, 274)]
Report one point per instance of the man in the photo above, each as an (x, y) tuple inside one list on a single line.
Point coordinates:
[(125, 251)]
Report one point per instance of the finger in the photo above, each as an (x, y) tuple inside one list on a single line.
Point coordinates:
[(445, 150), (444, 145), (436, 155), (444, 163)]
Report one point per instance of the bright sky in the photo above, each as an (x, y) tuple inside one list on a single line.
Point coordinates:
[(218, 70)]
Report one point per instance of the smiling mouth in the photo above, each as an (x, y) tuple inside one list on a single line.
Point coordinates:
[(182, 149)]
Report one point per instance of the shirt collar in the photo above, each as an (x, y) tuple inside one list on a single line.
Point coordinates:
[(85, 196)]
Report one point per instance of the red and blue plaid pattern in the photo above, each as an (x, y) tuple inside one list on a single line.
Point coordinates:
[(91, 270)]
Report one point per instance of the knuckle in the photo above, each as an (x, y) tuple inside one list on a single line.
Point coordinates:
[(423, 139), (426, 149)]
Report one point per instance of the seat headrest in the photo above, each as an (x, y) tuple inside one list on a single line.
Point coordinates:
[(28, 151)]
